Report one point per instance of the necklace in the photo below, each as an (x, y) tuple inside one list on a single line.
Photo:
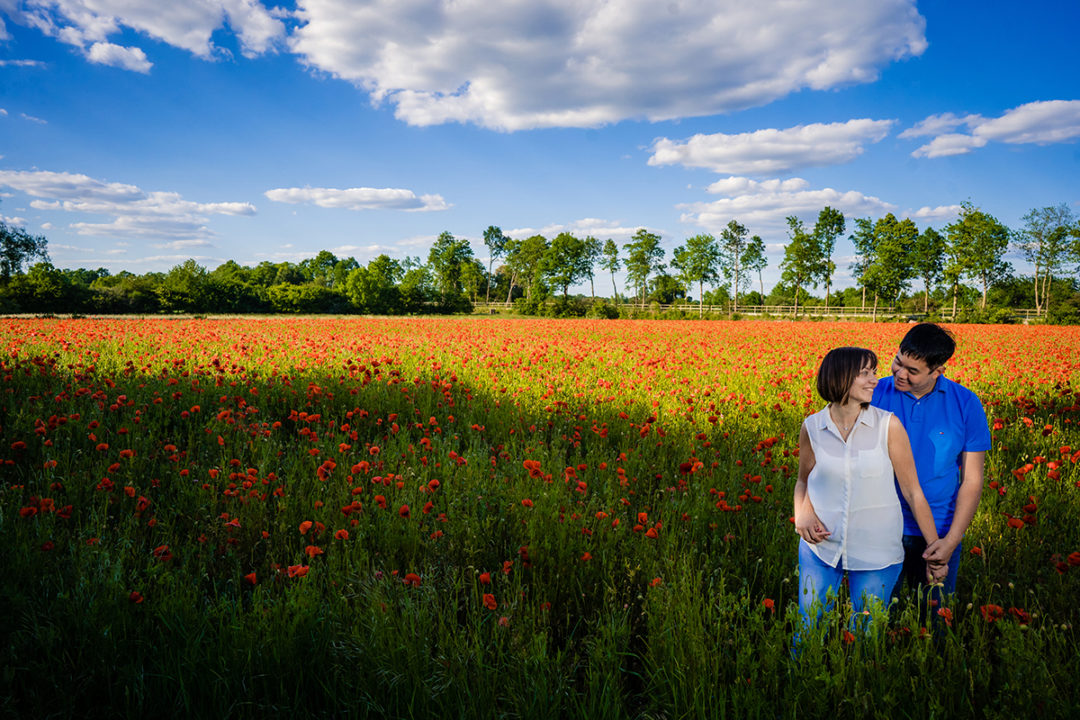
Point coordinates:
[(843, 428)]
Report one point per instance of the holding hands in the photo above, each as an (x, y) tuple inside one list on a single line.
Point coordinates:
[(937, 556)]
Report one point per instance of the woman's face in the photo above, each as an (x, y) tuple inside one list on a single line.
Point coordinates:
[(862, 390)]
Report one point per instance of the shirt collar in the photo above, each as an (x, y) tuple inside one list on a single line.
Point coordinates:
[(867, 417)]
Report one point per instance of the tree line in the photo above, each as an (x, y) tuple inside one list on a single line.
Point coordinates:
[(961, 266)]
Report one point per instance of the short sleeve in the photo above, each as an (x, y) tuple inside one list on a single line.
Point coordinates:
[(976, 429)]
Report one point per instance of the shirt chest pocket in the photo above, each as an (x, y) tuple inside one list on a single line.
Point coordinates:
[(946, 450), (871, 464)]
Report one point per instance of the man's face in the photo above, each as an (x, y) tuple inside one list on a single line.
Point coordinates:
[(913, 375)]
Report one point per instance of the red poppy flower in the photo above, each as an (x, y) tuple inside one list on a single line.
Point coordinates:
[(304, 527), (313, 550), (412, 579), (489, 601), (250, 577), (403, 511), (342, 534), (297, 570), (992, 613)]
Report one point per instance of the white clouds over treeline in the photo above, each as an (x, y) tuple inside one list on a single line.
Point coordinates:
[(523, 64)]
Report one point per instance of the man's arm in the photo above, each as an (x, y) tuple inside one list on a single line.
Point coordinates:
[(967, 501)]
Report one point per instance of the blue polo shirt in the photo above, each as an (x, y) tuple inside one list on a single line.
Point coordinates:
[(946, 422)]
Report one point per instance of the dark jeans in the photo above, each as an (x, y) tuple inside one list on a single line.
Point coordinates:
[(914, 575)]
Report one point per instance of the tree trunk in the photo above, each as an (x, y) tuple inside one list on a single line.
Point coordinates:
[(864, 298), (1037, 305), (761, 287), (827, 285), (614, 287), (795, 311), (1047, 281), (592, 289), (984, 292), (955, 290), (874, 316), (700, 299), (510, 292), (926, 296), (488, 298)]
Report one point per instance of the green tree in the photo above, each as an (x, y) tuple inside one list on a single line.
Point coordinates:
[(644, 256), (319, 269), (865, 253), (928, 261), (526, 261), (496, 245), (472, 276), (891, 270), (593, 251), (610, 262), (699, 262), (373, 289), (126, 292), (445, 259), (666, 289), (565, 263), (802, 259), (829, 226), (754, 260), (43, 288), (184, 288), (288, 274), (732, 248), (979, 242), (17, 248), (1044, 242)]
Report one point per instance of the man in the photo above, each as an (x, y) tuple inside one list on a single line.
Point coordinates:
[(949, 437)]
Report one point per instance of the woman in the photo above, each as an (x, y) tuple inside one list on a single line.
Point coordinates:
[(846, 508)]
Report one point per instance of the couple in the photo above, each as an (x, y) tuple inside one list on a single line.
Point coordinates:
[(919, 426)]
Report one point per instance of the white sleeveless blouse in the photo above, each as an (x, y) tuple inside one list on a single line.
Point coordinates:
[(853, 492)]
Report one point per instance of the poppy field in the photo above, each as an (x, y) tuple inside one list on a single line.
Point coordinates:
[(414, 517)]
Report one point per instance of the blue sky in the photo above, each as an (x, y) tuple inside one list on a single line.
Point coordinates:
[(135, 134)]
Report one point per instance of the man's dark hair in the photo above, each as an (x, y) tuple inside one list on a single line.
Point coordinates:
[(838, 371), (930, 343)]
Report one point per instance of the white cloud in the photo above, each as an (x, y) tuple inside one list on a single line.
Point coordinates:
[(596, 227), (772, 151), (136, 213), (362, 198), (553, 63), (129, 58), (938, 124), (763, 206), (47, 226), (19, 63), (1042, 123), (33, 119), (186, 25), (949, 144), (3, 112), (13, 220), (343, 251), (942, 212), (181, 244)]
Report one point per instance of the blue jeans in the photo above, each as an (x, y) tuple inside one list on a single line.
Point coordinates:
[(818, 580)]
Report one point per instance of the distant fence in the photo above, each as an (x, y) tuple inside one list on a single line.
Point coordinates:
[(777, 311)]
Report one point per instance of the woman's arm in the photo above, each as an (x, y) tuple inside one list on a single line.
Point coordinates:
[(807, 523), (903, 463)]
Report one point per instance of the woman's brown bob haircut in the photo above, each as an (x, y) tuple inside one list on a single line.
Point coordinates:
[(839, 369)]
